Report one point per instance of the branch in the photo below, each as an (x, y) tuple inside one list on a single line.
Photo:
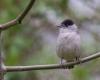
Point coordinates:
[(51, 66), (1, 59), (19, 19)]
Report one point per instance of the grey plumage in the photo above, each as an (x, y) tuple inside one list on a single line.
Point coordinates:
[(68, 42)]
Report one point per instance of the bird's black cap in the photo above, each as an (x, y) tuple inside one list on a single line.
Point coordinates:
[(67, 22)]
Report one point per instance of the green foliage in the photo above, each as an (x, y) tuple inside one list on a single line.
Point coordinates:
[(80, 73)]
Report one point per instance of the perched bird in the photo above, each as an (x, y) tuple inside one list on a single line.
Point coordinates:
[(68, 42)]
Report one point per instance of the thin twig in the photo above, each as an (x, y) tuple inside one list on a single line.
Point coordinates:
[(50, 66), (19, 19), (24, 13), (1, 60)]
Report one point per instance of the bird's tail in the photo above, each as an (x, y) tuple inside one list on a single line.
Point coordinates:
[(70, 67)]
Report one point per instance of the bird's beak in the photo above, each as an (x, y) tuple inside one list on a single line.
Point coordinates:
[(59, 26)]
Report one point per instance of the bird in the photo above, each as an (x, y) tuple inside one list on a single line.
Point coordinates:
[(68, 42)]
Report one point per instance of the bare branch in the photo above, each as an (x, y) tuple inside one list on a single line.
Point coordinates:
[(8, 24), (19, 19), (50, 66), (1, 60), (24, 13)]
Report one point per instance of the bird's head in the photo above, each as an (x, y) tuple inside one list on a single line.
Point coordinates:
[(68, 24)]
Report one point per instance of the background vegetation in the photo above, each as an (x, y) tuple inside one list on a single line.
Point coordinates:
[(33, 42)]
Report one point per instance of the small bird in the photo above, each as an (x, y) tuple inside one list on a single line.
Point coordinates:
[(68, 42)]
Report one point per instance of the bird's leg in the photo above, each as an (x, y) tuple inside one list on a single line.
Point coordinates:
[(61, 62), (78, 59)]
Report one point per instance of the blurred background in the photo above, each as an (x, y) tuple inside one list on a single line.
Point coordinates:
[(34, 41)]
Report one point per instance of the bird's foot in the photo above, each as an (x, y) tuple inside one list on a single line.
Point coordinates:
[(62, 62)]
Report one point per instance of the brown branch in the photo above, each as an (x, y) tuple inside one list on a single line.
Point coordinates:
[(50, 66), (1, 60), (19, 19)]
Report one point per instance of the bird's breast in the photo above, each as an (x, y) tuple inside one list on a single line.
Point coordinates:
[(68, 45)]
